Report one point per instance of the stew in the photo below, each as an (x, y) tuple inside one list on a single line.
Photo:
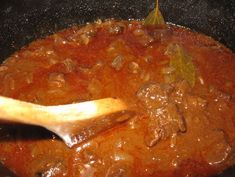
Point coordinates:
[(179, 82)]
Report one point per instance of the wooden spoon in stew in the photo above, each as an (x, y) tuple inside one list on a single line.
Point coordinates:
[(74, 123)]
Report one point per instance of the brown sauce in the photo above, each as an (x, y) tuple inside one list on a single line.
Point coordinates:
[(179, 130)]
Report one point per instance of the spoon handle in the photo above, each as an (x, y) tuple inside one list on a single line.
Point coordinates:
[(12, 110), (29, 113)]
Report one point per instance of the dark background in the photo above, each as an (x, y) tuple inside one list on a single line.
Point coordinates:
[(22, 21)]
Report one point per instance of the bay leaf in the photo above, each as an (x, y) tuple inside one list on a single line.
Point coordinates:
[(155, 17), (182, 63)]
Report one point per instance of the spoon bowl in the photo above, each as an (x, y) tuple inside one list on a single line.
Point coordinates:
[(73, 123)]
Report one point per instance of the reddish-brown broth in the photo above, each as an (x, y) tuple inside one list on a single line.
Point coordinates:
[(121, 59)]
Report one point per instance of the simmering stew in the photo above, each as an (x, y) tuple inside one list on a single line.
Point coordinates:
[(181, 85)]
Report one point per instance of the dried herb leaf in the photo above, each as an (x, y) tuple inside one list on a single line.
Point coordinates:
[(182, 63), (155, 17)]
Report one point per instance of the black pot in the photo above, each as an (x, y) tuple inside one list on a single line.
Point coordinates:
[(22, 21)]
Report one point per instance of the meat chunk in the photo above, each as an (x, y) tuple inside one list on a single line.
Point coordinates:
[(194, 102), (154, 95), (185, 99), (180, 90), (165, 118), (164, 123)]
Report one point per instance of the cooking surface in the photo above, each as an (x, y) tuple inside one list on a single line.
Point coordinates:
[(180, 129)]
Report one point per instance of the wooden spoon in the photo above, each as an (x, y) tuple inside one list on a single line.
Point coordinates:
[(73, 123)]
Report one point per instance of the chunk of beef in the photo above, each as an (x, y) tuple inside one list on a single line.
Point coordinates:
[(154, 95), (194, 102), (165, 117), (185, 99), (164, 122), (180, 90)]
